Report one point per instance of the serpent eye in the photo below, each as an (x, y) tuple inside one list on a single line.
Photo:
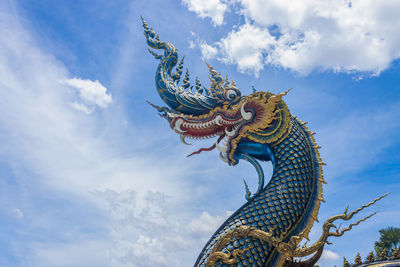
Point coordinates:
[(231, 94)]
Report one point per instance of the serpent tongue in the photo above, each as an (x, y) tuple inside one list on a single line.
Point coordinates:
[(206, 149)]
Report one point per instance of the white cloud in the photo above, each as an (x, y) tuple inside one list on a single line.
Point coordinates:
[(214, 9), (329, 255), (81, 107), (205, 225), (147, 231), (92, 93), (144, 230), (120, 172), (192, 44), (207, 51), (81, 253), (18, 214), (310, 34), (246, 47), (68, 155)]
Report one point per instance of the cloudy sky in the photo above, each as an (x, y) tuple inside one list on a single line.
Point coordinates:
[(90, 175)]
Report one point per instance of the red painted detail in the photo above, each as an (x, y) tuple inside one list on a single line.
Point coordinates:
[(206, 149)]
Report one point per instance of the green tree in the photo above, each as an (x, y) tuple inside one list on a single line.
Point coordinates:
[(389, 240)]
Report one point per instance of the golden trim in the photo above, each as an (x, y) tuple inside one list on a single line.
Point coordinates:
[(275, 109)]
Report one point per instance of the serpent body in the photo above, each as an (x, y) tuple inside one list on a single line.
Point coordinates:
[(289, 203)]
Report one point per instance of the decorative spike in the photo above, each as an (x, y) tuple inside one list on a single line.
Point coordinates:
[(177, 75), (285, 93), (371, 257), (233, 84), (305, 234), (215, 79), (383, 255), (157, 56), (312, 133), (254, 89), (144, 23), (395, 255), (345, 263), (186, 82), (346, 210), (226, 81), (147, 31), (163, 111), (211, 70), (317, 147), (157, 37), (358, 260), (248, 193), (199, 89), (322, 163), (304, 122)]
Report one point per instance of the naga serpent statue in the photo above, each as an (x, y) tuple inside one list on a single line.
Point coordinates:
[(268, 228)]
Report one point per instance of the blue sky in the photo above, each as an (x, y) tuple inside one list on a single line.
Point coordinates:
[(90, 175)]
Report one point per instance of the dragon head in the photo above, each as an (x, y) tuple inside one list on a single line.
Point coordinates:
[(219, 111)]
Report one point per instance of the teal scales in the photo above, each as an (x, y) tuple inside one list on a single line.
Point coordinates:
[(283, 204)]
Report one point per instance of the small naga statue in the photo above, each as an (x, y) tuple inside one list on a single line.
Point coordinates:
[(269, 228)]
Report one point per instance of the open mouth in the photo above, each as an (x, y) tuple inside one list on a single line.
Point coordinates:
[(218, 124)]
